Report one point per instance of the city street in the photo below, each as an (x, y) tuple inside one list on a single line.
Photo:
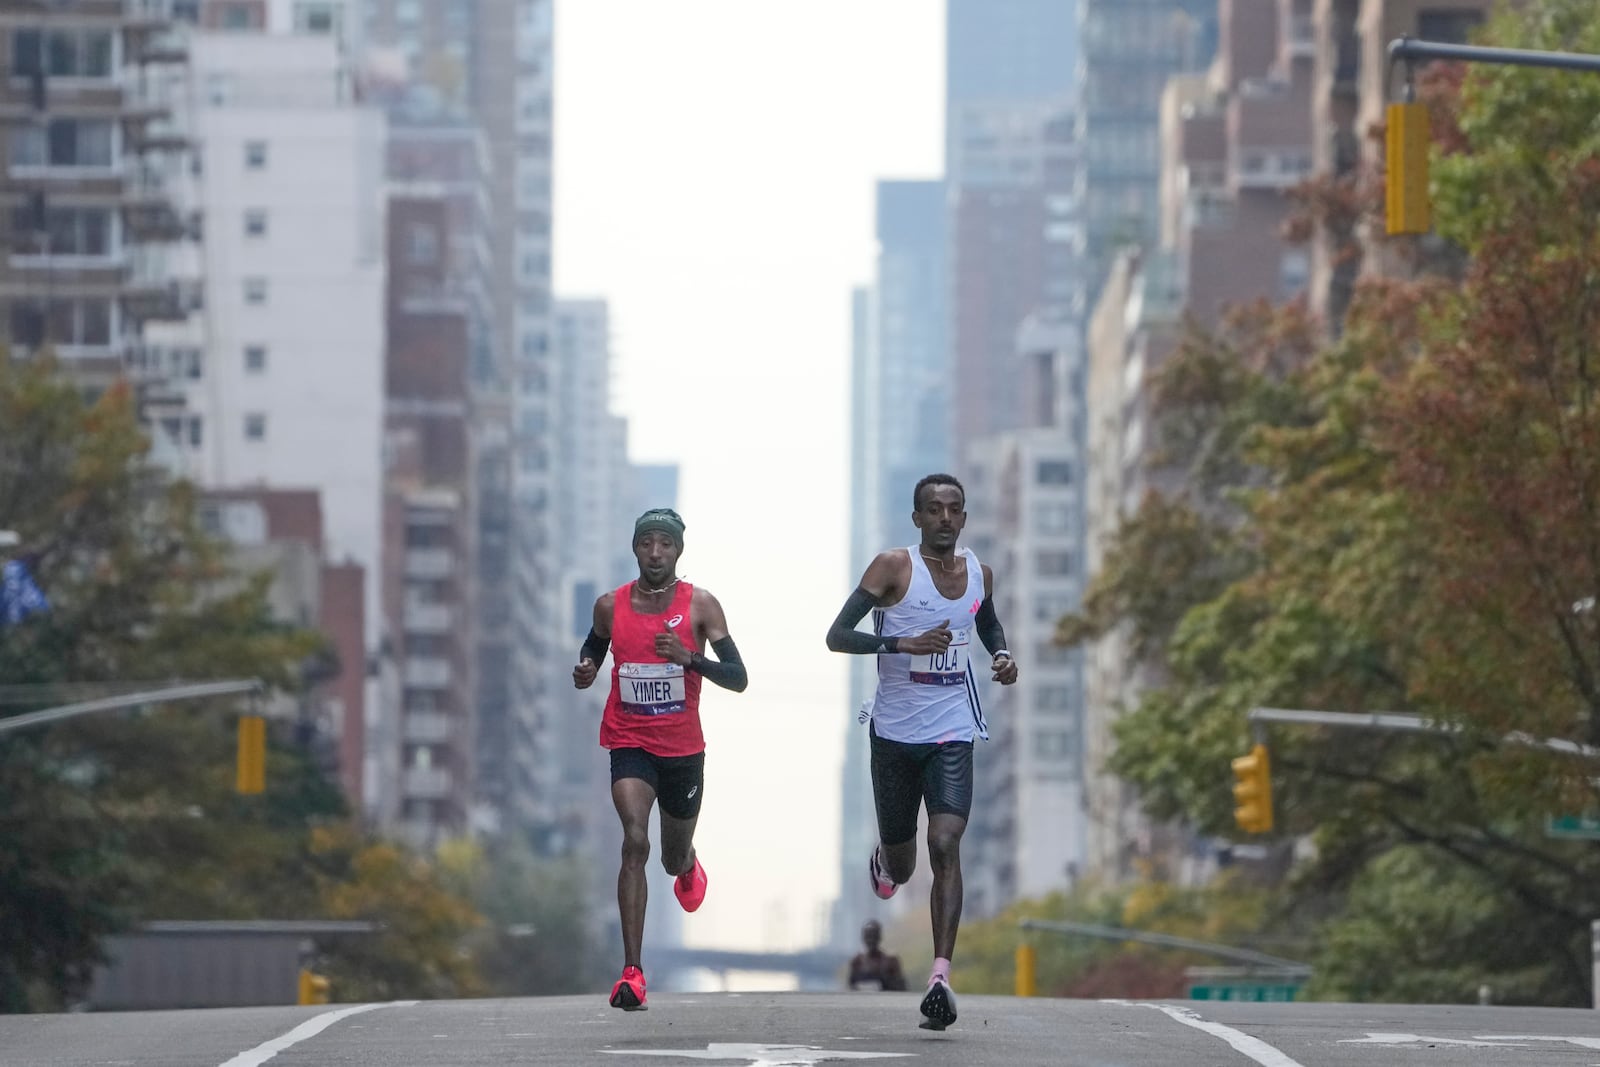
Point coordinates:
[(781, 1029)]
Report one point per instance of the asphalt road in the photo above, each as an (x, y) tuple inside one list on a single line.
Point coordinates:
[(794, 1029)]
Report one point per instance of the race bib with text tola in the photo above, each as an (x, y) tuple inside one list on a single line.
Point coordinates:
[(943, 668), (651, 688)]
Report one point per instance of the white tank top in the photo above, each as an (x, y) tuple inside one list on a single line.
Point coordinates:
[(933, 698)]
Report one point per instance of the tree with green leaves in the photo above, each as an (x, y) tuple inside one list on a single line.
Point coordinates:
[(1404, 519)]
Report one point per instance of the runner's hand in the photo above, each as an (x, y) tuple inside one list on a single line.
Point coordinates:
[(1005, 670), (934, 641), (583, 674), (670, 648)]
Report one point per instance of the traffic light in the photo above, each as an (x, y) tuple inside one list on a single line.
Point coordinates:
[(252, 776), (1407, 209), (1252, 791), (313, 988)]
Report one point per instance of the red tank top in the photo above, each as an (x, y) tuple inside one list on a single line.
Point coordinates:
[(654, 704)]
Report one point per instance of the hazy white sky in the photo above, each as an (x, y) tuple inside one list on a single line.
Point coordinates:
[(715, 169)]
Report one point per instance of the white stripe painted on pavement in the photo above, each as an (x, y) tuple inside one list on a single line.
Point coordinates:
[(310, 1028), (1242, 1042)]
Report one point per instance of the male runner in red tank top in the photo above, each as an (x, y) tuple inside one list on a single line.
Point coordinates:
[(657, 629)]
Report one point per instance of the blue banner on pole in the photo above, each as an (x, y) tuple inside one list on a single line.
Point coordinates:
[(20, 595)]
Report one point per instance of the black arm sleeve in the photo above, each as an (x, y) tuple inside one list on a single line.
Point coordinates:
[(727, 670), (990, 632), (843, 635), (594, 648)]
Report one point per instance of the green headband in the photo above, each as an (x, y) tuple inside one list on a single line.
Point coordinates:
[(665, 520)]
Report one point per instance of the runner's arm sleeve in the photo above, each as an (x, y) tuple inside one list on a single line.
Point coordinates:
[(727, 670), (990, 632), (594, 648), (843, 635)]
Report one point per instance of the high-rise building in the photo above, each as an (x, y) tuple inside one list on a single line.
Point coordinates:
[(899, 417), (289, 392), (1130, 49), (440, 334), (491, 65), (1350, 87), (598, 495), (1017, 303), (90, 155)]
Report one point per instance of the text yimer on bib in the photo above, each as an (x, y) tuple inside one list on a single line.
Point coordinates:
[(651, 688), (943, 668)]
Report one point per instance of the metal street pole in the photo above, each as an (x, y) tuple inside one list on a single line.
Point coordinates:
[(1408, 49), (189, 691), (1210, 948), (1415, 724)]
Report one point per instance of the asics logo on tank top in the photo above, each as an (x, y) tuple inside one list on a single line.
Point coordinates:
[(678, 619)]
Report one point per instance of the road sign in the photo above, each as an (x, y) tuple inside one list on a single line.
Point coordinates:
[(1585, 827), (1244, 992)]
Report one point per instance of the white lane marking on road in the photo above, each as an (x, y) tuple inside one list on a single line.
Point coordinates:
[(310, 1028), (1242, 1042), (760, 1055), (1477, 1041)]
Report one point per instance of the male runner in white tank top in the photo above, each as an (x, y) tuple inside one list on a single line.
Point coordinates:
[(928, 602)]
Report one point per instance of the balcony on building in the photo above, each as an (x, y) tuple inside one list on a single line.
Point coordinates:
[(1300, 36), (426, 783), (428, 728), (422, 617), (427, 672), (430, 564)]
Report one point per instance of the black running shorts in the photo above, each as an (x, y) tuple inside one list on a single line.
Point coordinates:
[(678, 781), (906, 776)]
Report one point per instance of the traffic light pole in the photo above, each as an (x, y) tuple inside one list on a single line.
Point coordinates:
[(1413, 724), (1409, 49), (192, 691)]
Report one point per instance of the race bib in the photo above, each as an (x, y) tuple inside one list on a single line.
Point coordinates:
[(651, 688), (943, 668)]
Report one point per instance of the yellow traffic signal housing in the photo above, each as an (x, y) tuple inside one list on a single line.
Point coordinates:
[(1406, 203), (252, 777), (1252, 791), (313, 988)]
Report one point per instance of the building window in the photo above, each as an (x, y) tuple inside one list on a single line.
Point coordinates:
[(69, 231), (255, 427), (1056, 698), (1294, 273), (422, 243), (255, 359), (1054, 745), (81, 321), (255, 290), (255, 223), (237, 17), (63, 53), (255, 155), (1053, 564), (196, 431), (1449, 26), (316, 18), (1054, 472), (1052, 517), (64, 143)]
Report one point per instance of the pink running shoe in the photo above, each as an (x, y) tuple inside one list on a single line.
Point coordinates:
[(882, 885), (690, 886), (628, 994)]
